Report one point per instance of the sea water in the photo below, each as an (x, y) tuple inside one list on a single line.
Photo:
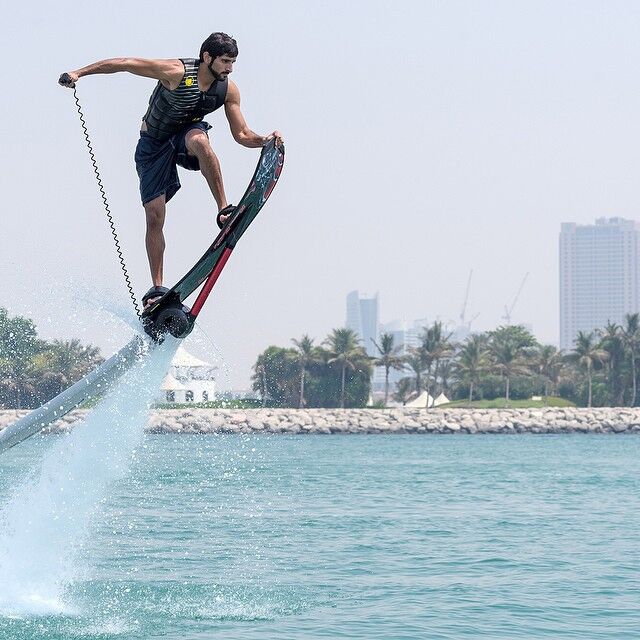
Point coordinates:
[(353, 536), (45, 518)]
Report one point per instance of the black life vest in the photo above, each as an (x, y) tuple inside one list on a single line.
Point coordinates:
[(170, 110)]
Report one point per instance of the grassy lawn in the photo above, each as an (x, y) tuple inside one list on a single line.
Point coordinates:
[(499, 403), (214, 404)]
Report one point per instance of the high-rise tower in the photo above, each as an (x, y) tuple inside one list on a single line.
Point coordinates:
[(599, 275), (362, 319)]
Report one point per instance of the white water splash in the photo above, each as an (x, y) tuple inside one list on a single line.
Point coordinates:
[(45, 521)]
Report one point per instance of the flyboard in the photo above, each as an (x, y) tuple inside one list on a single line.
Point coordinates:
[(167, 315)]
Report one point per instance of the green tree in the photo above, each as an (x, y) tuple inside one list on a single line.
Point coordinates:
[(472, 361), (612, 342), (446, 376), (275, 376), (630, 337), (509, 348), (32, 371), (415, 361), (587, 354), (19, 344), (548, 362), (61, 364), (434, 346), (345, 353), (441, 352), (307, 354), (388, 358), (404, 389)]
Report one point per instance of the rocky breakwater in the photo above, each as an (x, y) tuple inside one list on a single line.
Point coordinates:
[(399, 420)]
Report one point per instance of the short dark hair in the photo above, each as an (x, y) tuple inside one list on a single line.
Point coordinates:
[(219, 44)]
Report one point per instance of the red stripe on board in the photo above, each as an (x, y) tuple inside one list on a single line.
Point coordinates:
[(208, 285)]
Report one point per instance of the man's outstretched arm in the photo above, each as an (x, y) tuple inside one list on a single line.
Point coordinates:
[(239, 128), (169, 72)]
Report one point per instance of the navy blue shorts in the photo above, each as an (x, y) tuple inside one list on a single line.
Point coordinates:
[(157, 160)]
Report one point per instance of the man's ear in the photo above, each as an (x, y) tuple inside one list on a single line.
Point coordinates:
[(206, 56)]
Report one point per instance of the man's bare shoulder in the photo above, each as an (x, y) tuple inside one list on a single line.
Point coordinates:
[(175, 64), (174, 71), (233, 93)]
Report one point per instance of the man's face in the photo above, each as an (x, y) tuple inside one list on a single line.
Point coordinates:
[(219, 67)]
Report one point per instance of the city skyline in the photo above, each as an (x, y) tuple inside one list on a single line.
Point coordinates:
[(599, 282)]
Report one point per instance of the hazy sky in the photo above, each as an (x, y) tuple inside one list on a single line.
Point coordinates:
[(424, 139)]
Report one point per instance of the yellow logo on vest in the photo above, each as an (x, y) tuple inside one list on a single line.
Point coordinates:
[(189, 81)]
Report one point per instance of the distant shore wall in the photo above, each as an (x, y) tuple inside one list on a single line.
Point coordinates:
[(400, 420)]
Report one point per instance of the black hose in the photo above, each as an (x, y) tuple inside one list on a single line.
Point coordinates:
[(106, 204)]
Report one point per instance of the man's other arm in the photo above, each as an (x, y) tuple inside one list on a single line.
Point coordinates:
[(169, 72), (239, 128)]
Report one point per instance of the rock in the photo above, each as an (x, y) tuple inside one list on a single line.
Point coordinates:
[(320, 429), (255, 425), (396, 420)]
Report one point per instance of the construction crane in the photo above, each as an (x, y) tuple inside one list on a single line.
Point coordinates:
[(464, 325), (472, 319), (509, 310), (466, 298)]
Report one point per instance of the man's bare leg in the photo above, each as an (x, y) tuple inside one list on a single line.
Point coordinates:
[(155, 212), (198, 145)]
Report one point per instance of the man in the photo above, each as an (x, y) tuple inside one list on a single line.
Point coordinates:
[(173, 131)]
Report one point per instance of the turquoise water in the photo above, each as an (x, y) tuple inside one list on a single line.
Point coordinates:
[(347, 537)]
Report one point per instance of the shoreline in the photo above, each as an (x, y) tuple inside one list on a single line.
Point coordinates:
[(365, 421)]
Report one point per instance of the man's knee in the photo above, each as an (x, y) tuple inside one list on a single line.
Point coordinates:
[(197, 143)]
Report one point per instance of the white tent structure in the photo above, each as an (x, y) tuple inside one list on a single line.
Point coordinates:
[(424, 400), (420, 402), (172, 390), (189, 379), (441, 399)]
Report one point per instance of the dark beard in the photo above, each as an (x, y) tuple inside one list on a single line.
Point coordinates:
[(217, 76)]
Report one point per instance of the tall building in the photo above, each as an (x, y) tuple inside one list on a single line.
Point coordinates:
[(362, 319), (599, 275)]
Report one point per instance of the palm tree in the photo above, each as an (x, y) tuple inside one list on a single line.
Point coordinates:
[(11, 396), (261, 371), (548, 362), (434, 346), (472, 361), (62, 364), (631, 342), (19, 345), (415, 361), (613, 343), (307, 353), (404, 389), (509, 346), (586, 354), (389, 359), (344, 351), (71, 359), (446, 375)]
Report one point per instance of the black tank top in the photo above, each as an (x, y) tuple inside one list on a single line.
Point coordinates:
[(169, 111)]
